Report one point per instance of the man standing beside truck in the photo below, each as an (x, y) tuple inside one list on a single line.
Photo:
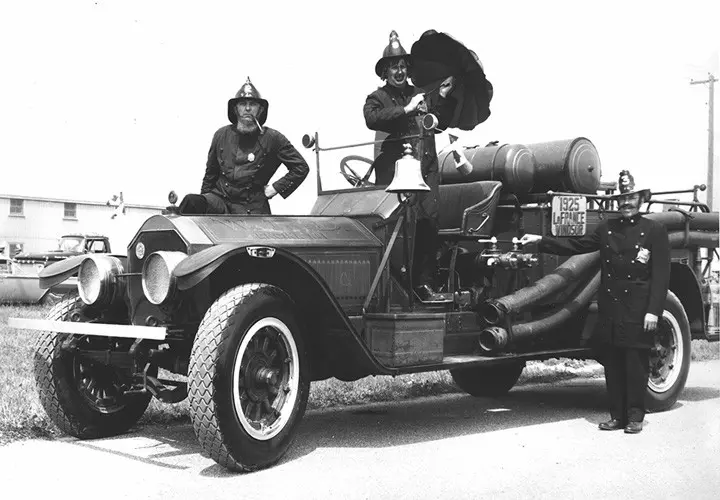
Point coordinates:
[(635, 267)]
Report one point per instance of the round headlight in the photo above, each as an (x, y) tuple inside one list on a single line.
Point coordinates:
[(158, 281), (97, 279)]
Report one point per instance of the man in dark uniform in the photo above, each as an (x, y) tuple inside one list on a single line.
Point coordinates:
[(394, 111), (243, 157), (635, 266)]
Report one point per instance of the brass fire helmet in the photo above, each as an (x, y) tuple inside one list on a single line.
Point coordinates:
[(393, 51), (248, 91)]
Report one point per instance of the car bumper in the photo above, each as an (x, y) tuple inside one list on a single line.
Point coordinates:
[(97, 329)]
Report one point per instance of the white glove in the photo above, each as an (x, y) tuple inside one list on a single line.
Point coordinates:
[(528, 239), (650, 322), (270, 191), (414, 103), (447, 86)]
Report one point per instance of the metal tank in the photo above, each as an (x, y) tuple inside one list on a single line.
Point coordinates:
[(566, 165), (511, 164)]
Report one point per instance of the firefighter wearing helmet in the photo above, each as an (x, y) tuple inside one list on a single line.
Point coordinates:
[(635, 275), (394, 111), (243, 157)]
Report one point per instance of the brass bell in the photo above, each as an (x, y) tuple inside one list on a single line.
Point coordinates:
[(408, 175)]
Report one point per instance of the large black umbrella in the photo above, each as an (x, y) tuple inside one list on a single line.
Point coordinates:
[(437, 56)]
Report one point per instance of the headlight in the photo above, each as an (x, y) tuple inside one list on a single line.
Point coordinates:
[(98, 281), (158, 281)]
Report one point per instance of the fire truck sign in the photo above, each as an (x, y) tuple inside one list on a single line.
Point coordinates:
[(569, 216)]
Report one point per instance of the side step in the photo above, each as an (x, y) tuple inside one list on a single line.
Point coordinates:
[(469, 360)]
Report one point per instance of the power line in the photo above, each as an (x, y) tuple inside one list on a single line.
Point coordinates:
[(711, 133)]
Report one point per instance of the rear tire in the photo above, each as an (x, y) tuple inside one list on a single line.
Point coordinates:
[(82, 398), (248, 378), (488, 381), (670, 357)]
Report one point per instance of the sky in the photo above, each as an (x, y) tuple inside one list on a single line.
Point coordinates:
[(106, 96)]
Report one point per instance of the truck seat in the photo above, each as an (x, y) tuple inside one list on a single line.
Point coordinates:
[(468, 210)]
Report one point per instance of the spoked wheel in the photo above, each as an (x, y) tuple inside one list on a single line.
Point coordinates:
[(83, 397), (248, 379), (266, 378), (670, 357), (351, 176), (101, 387)]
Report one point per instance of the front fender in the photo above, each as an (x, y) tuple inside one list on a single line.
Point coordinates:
[(200, 265), (336, 342), (58, 272)]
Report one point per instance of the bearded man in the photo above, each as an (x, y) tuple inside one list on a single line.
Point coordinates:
[(242, 159)]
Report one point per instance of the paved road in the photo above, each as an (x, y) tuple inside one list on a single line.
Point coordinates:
[(539, 442)]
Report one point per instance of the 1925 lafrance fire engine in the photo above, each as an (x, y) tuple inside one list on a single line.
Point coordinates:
[(253, 308)]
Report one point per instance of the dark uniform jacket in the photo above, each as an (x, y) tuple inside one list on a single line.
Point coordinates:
[(240, 166), (635, 266), (384, 112)]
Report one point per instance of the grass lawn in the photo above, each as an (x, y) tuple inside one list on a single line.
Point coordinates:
[(21, 415)]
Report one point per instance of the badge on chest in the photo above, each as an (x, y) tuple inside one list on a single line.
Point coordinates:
[(643, 255)]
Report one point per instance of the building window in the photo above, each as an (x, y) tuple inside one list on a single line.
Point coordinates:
[(70, 211), (16, 207)]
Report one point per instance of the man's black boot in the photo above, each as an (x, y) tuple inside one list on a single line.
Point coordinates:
[(611, 425), (633, 427)]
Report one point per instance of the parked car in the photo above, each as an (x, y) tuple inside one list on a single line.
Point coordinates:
[(19, 279), (69, 245), (253, 308)]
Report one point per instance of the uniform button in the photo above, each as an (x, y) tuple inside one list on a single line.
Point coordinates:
[(608, 261), (609, 232), (628, 275), (637, 246), (642, 234), (608, 275), (626, 291)]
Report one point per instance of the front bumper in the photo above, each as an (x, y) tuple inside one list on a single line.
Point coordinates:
[(97, 329)]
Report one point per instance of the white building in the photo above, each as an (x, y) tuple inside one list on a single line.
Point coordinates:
[(35, 224)]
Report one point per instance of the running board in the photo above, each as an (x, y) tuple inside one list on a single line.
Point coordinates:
[(469, 360)]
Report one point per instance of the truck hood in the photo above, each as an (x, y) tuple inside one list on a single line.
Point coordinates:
[(275, 231)]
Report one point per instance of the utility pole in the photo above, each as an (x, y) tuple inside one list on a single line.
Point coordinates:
[(711, 133)]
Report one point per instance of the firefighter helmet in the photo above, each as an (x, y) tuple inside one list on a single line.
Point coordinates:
[(626, 186), (393, 51), (248, 91)]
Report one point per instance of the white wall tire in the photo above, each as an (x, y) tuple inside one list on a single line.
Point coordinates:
[(669, 358), (249, 401), (248, 381)]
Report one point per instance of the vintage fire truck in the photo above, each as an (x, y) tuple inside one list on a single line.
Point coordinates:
[(251, 309)]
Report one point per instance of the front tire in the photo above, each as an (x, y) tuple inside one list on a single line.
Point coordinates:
[(82, 398), (670, 357), (488, 381), (248, 378)]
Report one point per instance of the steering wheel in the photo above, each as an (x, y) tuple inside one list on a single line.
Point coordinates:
[(351, 176)]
